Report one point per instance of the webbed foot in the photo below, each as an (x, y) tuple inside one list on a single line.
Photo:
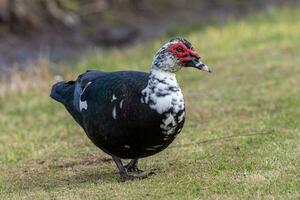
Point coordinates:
[(131, 171)]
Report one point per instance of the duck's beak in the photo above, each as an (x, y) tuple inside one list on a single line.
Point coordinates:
[(196, 63), (203, 67)]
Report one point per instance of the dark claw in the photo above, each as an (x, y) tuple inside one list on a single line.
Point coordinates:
[(133, 169), (129, 177), (126, 177)]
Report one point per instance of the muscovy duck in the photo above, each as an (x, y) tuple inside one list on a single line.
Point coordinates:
[(130, 114)]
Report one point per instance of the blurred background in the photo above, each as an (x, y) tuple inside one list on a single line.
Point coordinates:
[(60, 30)]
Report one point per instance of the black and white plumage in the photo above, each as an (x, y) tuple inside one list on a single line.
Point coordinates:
[(128, 114)]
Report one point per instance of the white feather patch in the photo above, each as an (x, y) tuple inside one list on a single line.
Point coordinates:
[(121, 104), (114, 113), (180, 118), (163, 103), (113, 98), (150, 149), (164, 94), (83, 104)]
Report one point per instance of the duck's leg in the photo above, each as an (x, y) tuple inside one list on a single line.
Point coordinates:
[(132, 166), (123, 171)]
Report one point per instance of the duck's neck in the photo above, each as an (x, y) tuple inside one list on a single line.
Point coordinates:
[(158, 76), (162, 92)]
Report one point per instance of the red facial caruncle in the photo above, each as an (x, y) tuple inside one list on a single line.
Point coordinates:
[(183, 53)]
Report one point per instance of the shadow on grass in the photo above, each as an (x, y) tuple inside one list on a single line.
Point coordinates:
[(58, 163), (57, 173)]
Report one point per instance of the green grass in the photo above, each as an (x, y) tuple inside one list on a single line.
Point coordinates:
[(241, 138)]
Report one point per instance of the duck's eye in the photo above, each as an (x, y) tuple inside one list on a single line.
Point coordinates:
[(179, 49)]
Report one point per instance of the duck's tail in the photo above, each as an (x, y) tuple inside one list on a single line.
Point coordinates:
[(63, 92)]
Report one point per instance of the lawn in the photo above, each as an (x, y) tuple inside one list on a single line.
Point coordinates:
[(241, 138)]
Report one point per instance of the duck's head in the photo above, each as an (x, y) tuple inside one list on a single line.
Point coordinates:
[(175, 54)]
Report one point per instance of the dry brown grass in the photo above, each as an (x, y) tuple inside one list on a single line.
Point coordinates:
[(36, 77)]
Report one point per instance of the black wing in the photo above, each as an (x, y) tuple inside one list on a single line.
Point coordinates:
[(104, 85), (68, 93)]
